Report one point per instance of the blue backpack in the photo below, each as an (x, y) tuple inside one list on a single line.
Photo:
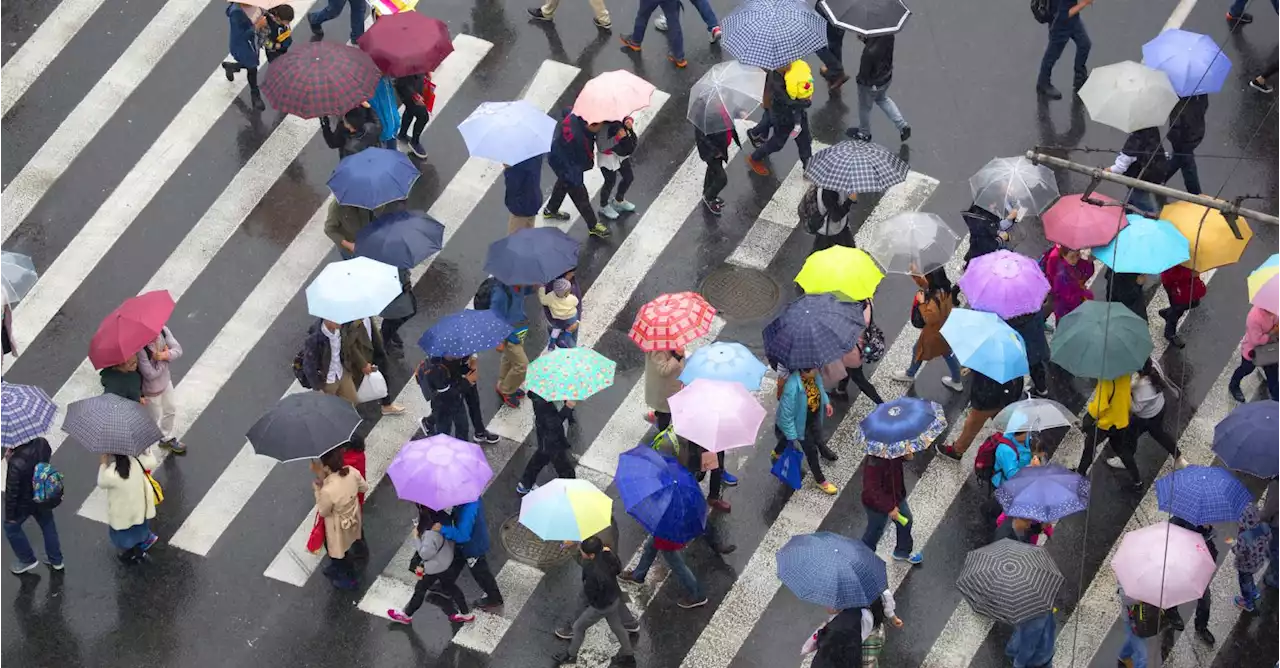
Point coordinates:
[(46, 486)]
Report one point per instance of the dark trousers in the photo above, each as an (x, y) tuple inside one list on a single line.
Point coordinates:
[(483, 575), (714, 180), (842, 238), (341, 570), (418, 115), (1184, 159), (1154, 426), (661, 420), (250, 74), (1040, 376), (1061, 32), (450, 415), (359, 10), (1172, 315), (447, 583), (862, 382), (471, 396), (809, 444), (1121, 444), (832, 55), (693, 462), (578, 195), (611, 177), (1246, 367), (804, 141), (559, 459), (389, 330)]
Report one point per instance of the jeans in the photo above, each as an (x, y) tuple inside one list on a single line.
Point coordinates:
[(450, 415), (1061, 32), (1246, 367), (714, 180), (579, 196), (611, 176), (804, 140), (879, 96), (1147, 202), (670, 9), (1248, 586), (953, 364), (22, 547), (875, 526), (675, 560), (558, 459), (1134, 648), (1184, 158), (448, 580), (589, 617), (334, 7), (418, 115), (704, 10)]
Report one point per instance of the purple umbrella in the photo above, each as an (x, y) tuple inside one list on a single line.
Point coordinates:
[(440, 472), (1004, 283), (1195, 63), (1044, 493)]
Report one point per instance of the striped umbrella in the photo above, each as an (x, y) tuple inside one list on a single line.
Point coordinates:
[(855, 166), (1202, 495), (26, 412), (1010, 581), (773, 33), (831, 570), (112, 425)]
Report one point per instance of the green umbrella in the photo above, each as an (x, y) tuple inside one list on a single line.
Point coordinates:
[(1102, 340), (570, 374)]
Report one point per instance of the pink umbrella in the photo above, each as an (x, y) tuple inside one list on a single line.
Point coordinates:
[(612, 96), (1163, 565), (440, 472), (716, 414), (1076, 224), (1004, 283)]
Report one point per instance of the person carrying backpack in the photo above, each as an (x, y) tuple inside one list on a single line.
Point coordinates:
[(1142, 622), (835, 229), (1065, 25), (853, 636), (20, 503)]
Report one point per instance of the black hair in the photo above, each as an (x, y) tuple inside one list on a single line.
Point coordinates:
[(332, 460), (592, 545), (282, 12), (937, 283), (355, 117), (1149, 372), (122, 466), (356, 442)]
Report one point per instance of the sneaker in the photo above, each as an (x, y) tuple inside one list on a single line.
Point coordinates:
[(510, 400), (403, 137), (566, 633), (1115, 463), (629, 575), (828, 488), (622, 661), (1049, 91), (175, 446), (905, 133), (1175, 621), (650, 418), (1245, 18), (483, 603), (459, 618), (428, 425), (146, 544), (857, 134), (555, 215), (629, 43), (680, 63), (393, 409), (915, 558), (399, 617), (1259, 84), (536, 13), (522, 490), (720, 505), (690, 602), (599, 230), (416, 148), (729, 479), (755, 139), (950, 451), (18, 568), (757, 166), (255, 98), (716, 34), (485, 437), (58, 566), (660, 24), (952, 383), (634, 627), (623, 206), (1181, 462), (1243, 603), (713, 206), (609, 212), (1205, 636), (603, 24), (903, 377)]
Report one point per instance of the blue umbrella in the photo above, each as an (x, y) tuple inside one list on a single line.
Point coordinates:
[(372, 178), (1145, 246), (813, 330), (400, 238), (1203, 495), (1246, 439), (773, 33), (26, 412), (724, 360), (1044, 493), (465, 332), (507, 132), (985, 343), (661, 494), (832, 571), (532, 256), (901, 426), (1194, 62)]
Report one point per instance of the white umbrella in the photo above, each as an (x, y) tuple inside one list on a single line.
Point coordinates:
[(17, 276), (1128, 96), (1005, 184), (352, 289)]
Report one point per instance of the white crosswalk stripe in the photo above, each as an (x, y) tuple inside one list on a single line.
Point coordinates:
[(30, 61)]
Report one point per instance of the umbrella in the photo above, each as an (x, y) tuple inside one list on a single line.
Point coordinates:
[(464, 333), (1004, 184), (1264, 287), (440, 472), (1034, 415), (1194, 63), (407, 43), (566, 509), (110, 424), (1128, 96), (985, 343), (1010, 581), (1145, 246), (570, 374), (17, 276), (661, 494), (833, 571), (866, 17), (716, 414), (507, 132), (901, 426), (1202, 495), (372, 178), (773, 33), (1212, 243), (532, 256), (672, 321), (856, 167), (401, 238), (1005, 283), (912, 243), (728, 91), (317, 79), (389, 7), (812, 331), (26, 412), (1163, 564), (352, 289), (1246, 439), (304, 426), (1101, 340), (1044, 493), (1077, 224), (612, 96), (129, 328), (847, 273), (724, 360)]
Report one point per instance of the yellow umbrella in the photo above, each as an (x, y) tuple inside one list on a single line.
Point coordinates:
[(847, 273), (1216, 246), (566, 509)]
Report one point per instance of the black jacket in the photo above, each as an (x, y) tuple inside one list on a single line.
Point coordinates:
[(984, 230), (840, 641), (600, 579), (127, 384), (715, 146), (349, 142), (18, 502), (1124, 289), (620, 147), (1207, 532), (1186, 123), (1146, 146), (876, 68), (985, 394), (407, 87), (548, 425)]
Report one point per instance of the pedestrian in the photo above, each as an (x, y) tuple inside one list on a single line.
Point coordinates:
[(323, 360), (1186, 131), (547, 11), (362, 354), (20, 504), (332, 8), (6, 331), (875, 72), (1237, 16), (696, 459), (1251, 547), (615, 166), (1172, 615), (131, 503), (573, 148), (661, 380), (835, 229), (416, 113), (1147, 390), (523, 196), (337, 488), (397, 313), (470, 532), (601, 599), (1068, 281), (1065, 25), (1126, 289), (123, 380), (705, 11), (437, 563), (832, 55), (353, 456), (277, 34), (1261, 330), (552, 444), (852, 364), (802, 405), (987, 397), (673, 553), (1031, 645), (1185, 289), (782, 112), (157, 386), (1015, 450), (988, 232), (442, 380), (1142, 622), (884, 496), (1031, 327), (1108, 420), (1270, 515), (1142, 157), (675, 34), (929, 310), (471, 397), (357, 131), (386, 107), (561, 306), (1260, 82), (343, 222), (508, 302), (244, 22), (713, 149), (853, 636)]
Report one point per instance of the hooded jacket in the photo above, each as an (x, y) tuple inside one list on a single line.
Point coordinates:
[(469, 530), (243, 43), (715, 146), (523, 182), (600, 579), (573, 149), (984, 232), (155, 373), (1186, 123), (127, 384), (1010, 458)]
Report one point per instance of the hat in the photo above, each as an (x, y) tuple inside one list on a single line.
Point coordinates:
[(561, 287)]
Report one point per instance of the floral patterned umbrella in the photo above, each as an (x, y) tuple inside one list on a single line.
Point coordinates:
[(902, 426), (570, 374), (672, 321)]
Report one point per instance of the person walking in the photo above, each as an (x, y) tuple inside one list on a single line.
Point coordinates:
[(331, 10), (386, 107), (343, 223), (1237, 16), (802, 405), (835, 229), (508, 302), (832, 55), (442, 380), (325, 361), (987, 397), (414, 118), (470, 532), (123, 380), (884, 496), (157, 386), (1126, 289), (1065, 25), (396, 314), (1068, 281), (1252, 539), (615, 166), (1186, 131), (713, 149), (788, 93), (1032, 642), (131, 504), (1032, 329), (852, 364), (1260, 83), (1108, 420), (1147, 390), (603, 600), (988, 232), (853, 636), (1261, 327), (929, 310), (277, 34), (573, 148), (363, 353), (547, 12), (1142, 157), (673, 553), (1136, 614), (552, 444), (705, 11), (357, 130), (337, 488), (437, 564), (471, 398), (694, 457), (244, 22), (875, 72), (1185, 289), (1172, 615), (523, 192), (20, 505), (675, 34), (661, 380)]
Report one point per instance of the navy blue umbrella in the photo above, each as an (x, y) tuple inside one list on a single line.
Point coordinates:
[(532, 256), (372, 178), (661, 494), (1044, 493), (832, 571), (1203, 495), (813, 330), (401, 238), (1246, 439), (465, 332), (904, 425)]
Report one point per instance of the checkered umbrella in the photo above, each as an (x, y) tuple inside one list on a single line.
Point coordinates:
[(832, 571), (672, 321), (320, 79), (854, 166), (1044, 493), (110, 424), (866, 17), (813, 330), (26, 412), (1202, 495), (1010, 581), (773, 33)]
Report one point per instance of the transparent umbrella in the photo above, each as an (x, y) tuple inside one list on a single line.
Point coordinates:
[(1005, 184), (728, 91), (912, 243), (17, 276), (1034, 415)]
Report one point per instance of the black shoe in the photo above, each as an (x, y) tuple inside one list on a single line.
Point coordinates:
[(485, 437), (1078, 83), (230, 70), (1163, 313), (554, 215), (1261, 86), (858, 134), (1236, 393), (623, 661), (1245, 18), (1175, 622), (566, 632), (713, 206), (483, 603), (1175, 341), (905, 134), (725, 549), (256, 98), (562, 658), (1049, 91), (1138, 487), (317, 32), (755, 139), (536, 13), (1205, 636), (826, 453)]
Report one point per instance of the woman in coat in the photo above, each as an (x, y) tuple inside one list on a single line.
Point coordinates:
[(131, 503), (553, 445), (337, 488), (1067, 279), (157, 386), (853, 637), (987, 232), (661, 380), (934, 301), (244, 22), (802, 404), (1260, 328), (849, 367)]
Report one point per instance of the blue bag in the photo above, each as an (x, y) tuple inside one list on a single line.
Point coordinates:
[(787, 468)]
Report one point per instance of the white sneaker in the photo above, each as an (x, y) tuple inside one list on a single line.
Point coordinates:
[(609, 212), (953, 383), (1115, 463), (661, 23), (903, 377), (623, 206)]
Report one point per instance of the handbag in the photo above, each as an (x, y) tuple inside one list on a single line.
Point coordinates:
[(917, 318), (316, 540), (372, 388), (1266, 354), (155, 487), (787, 468)]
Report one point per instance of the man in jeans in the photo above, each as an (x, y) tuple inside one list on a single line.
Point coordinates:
[(884, 495), (359, 9), (19, 504), (1066, 25), (508, 302), (874, 74), (672, 553), (601, 598)]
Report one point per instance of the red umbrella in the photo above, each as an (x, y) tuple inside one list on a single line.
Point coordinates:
[(672, 321), (320, 79), (407, 43), (130, 328), (1077, 224)]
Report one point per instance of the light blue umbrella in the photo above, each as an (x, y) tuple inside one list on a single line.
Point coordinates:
[(352, 289), (1194, 62), (985, 343), (1146, 246), (724, 360), (507, 132)]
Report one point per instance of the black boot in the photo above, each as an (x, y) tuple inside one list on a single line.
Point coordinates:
[(826, 453), (230, 70), (255, 96), (1049, 91)]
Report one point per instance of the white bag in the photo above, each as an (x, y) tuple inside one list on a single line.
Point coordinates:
[(372, 388)]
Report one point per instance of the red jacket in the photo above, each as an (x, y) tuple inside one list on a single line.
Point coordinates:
[(883, 486), (355, 459), (664, 545), (1183, 285)]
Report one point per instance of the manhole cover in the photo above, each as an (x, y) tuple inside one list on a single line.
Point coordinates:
[(525, 546), (739, 292)]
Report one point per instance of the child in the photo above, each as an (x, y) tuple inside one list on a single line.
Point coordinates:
[(1185, 289), (1251, 553), (244, 42), (714, 150), (277, 34), (621, 142), (562, 307), (436, 564)]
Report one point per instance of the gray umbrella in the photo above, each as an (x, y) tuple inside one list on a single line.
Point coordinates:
[(855, 166), (110, 424), (304, 426), (1010, 581)]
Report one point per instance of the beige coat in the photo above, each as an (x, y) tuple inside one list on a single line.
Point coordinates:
[(661, 379), (132, 500), (337, 503)]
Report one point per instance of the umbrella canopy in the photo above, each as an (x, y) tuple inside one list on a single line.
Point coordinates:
[(570, 374), (407, 43), (612, 96), (1044, 493), (901, 426), (129, 328), (1145, 246), (1005, 283), (854, 166), (1101, 340), (811, 331), (533, 256), (1202, 495), (672, 321), (728, 91), (352, 289), (507, 132), (985, 343), (846, 273), (1005, 184), (866, 17), (1211, 242), (440, 472), (401, 238), (833, 571), (1163, 564), (389, 7), (1034, 415), (304, 426), (26, 412), (17, 276), (464, 333), (724, 360), (773, 33), (661, 494), (1128, 96), (372, 178), (1264, 286), (1194, 63), (317, 79), (913, 242), (716, 414), (112, 425), (1010, 581), (1077, 224), (1246, 439), (566, 509)]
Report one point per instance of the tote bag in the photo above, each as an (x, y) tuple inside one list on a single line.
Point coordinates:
[(372, 388), (787, 468)]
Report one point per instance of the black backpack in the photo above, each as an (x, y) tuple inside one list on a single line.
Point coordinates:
[(306, 359), (484, 294), (1144, 618), (423, 377), (1042, 10), (810, 211)]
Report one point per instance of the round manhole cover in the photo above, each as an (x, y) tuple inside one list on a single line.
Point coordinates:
[(525, 546), (739, 292)]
